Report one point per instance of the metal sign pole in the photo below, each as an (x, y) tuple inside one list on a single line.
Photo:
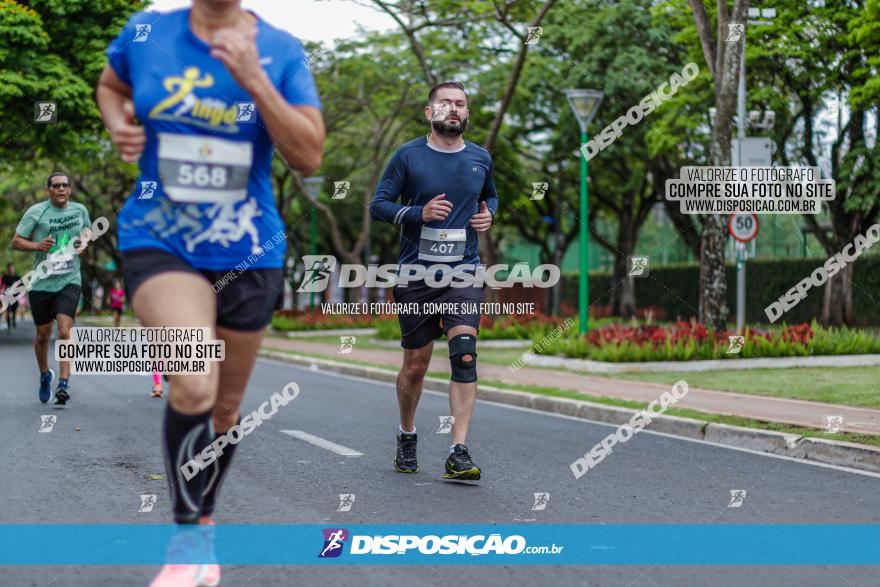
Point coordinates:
[(740, 287)]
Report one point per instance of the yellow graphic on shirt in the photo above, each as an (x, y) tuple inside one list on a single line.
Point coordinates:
[(182, 105)]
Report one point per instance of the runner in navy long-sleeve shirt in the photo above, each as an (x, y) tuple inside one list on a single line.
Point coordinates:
[(422, 174), (447, 196)]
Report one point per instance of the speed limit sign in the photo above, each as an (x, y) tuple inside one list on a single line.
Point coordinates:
[(743, 227)]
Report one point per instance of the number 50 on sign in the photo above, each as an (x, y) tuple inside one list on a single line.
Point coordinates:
[(743, 227)]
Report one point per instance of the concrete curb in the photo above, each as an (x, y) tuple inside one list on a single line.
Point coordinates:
[(589, 366), (763, 440), (821, 450)]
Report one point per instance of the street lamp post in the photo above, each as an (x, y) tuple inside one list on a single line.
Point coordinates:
[(584, 104), (312, 187)]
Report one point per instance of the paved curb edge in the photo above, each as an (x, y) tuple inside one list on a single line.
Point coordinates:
[(821, 450), (699, 366)]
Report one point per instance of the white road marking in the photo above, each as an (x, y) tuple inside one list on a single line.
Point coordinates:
[(563, 416), (323, 443)]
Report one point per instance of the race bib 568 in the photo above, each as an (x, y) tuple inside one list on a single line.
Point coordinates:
[(204, 169)]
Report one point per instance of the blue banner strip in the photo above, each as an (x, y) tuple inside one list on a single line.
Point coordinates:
[(615, 544)]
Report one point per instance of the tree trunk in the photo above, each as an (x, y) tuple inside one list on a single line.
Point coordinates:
[(725, 69), (845, 223), (623, 303), (837, 302), (713, 278)]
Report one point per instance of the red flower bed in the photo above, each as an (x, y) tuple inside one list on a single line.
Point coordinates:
[(683, 332), (802, 334)]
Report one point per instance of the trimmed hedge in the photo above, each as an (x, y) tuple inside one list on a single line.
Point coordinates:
[(675, 289)]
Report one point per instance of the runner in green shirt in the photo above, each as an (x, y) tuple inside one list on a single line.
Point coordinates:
[(50, 230)]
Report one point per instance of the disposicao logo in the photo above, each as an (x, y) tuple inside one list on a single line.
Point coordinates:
[(472, 545), (334, 540)]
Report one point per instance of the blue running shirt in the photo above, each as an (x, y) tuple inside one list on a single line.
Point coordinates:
[(204, 192)]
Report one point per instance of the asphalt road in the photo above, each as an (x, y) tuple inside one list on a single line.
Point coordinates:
[(96, 475)]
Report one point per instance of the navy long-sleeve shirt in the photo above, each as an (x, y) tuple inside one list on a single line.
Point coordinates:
[(416, 174)]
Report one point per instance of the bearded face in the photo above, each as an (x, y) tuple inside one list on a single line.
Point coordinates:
[(449, 118)]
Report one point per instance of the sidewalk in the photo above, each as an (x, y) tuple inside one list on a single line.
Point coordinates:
[(768, 409)]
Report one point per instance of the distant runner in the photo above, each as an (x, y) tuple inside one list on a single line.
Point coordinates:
[(50, 230), (117, 302), (10, 278)]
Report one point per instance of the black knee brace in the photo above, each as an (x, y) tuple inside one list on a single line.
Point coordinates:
[(463, 371)]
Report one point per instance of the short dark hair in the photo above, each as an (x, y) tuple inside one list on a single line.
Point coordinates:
[(455, 85), (54, 174)]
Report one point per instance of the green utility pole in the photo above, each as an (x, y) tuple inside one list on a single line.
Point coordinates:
[(584, 286), (584, 104)]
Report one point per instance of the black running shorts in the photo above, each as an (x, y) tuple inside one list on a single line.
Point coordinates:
[(246, 300), (418, 329), (46, 305)]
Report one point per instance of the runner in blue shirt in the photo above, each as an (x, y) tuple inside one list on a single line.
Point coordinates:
[(448, 197), (200, 97)]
